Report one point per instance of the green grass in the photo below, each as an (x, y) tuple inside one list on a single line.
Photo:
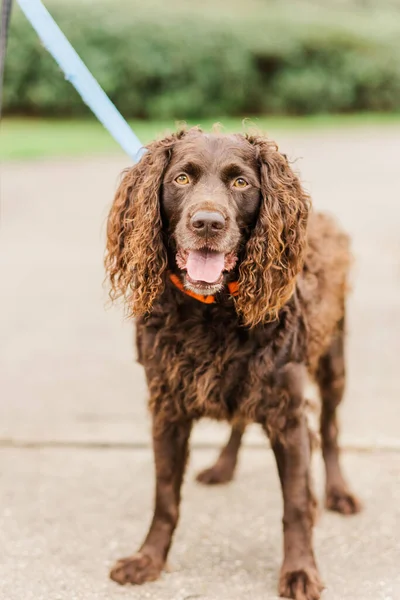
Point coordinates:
[(23, 139)]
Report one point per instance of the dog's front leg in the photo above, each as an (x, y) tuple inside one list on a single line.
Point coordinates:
[(170, 443), (299, 577)]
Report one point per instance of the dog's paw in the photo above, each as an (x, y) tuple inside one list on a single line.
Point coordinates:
[(219, 473), (300, 584), (136, 569), (342, 501)]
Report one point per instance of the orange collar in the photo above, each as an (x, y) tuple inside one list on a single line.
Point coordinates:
[(233, 288)]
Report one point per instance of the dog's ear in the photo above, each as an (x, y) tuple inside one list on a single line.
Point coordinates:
[(275, 251), (136, 258)]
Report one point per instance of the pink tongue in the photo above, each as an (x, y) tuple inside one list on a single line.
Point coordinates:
[(203, 265)]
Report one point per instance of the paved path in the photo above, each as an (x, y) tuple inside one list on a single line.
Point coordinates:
[(67, 514), (68, 378)]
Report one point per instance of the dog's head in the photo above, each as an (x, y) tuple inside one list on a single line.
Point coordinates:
[(211, 208)]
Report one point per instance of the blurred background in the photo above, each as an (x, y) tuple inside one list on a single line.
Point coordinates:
[(322, 77), (212, 60)]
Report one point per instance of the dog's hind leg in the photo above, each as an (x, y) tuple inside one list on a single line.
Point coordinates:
[(331, 380), (223, 470)]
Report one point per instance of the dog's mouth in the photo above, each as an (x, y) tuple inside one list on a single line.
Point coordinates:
[(205, 268)]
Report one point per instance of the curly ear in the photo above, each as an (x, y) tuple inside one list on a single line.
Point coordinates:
[(136, 257), (275, 251)]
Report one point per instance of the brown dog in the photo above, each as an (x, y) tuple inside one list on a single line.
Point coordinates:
[(240, 293)]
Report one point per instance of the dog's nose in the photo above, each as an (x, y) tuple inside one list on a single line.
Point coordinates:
[(206, 222)]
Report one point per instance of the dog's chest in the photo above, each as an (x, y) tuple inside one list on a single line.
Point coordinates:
[(202, 366)]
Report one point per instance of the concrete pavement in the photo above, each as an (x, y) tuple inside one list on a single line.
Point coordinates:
[(67, 514), (68, 378)]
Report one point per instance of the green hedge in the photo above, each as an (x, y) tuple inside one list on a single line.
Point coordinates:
[(184, 64)]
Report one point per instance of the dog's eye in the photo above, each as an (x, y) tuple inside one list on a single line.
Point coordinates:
[(182, 179), (240, 183)]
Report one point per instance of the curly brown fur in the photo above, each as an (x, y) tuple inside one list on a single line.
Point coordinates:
[(214, 209), (268, 270), (136, 258)]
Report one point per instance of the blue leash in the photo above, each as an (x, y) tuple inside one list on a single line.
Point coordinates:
[(4, 24), (79, 75)]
